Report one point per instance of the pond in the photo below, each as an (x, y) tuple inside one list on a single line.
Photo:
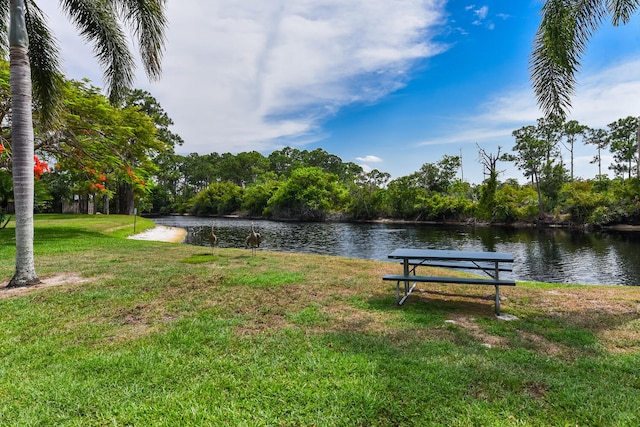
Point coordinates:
[(547, 255)]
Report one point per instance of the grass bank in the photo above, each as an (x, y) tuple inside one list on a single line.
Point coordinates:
[(130, 332)]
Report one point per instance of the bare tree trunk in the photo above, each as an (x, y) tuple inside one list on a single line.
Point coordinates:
[(638, 142), (22, 147), (131, 202), (571, 151), (538, 190)]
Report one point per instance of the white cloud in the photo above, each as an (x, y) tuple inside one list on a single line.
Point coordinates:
[(469, 136), (608, 95), (601, 98), (369, 159), (254, 75), (481, 15), (482, 12)]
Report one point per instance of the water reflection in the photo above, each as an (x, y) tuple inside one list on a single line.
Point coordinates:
[(550, 255)]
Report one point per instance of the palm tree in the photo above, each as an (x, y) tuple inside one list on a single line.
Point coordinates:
[(35, 69), (562, 38)]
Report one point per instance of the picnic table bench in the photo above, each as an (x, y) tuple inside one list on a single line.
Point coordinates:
[(491, 263)]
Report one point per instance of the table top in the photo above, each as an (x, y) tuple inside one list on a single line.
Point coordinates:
[(450, 255)]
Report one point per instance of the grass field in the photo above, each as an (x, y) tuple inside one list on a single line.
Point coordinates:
[(138, 333)]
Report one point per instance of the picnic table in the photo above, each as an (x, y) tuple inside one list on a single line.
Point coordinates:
[(490, 263)]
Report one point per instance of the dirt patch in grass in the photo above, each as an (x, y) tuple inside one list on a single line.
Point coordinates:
[(611, 313), (470, 325), (541, 344), (45, 282)]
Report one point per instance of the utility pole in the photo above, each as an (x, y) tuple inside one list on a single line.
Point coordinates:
[(462, 168)]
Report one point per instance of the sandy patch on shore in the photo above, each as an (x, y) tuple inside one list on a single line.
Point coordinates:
[(162, 233)]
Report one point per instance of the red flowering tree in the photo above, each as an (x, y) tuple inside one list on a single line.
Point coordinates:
[(103, 152), (39, 167), (6, 187)]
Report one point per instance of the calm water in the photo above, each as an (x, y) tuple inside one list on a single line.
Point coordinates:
[(546, 255)]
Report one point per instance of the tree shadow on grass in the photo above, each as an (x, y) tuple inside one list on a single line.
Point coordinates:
[(564, 332), (45, 236), (438, 303)]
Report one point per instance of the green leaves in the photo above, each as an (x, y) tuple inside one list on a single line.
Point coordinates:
[(562, 38), (218, 198), (624, 146), (310, 193)]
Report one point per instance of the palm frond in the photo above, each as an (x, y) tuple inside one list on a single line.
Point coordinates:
[(148, 23), (560, 41), (622, 10), (98, 24), (44, 57), (4, 29)]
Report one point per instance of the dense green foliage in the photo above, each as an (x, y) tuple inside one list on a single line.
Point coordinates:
[(315, 185), (117, 158), (102, 154), (311, 191), (308, 194)]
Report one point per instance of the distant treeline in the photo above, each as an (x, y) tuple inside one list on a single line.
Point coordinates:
[(121, 158), (315, 185)]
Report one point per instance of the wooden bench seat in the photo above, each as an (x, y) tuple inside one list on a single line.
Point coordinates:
[(449, 279), (446, 279)]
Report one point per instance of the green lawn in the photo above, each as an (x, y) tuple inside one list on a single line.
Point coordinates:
[(139, 333)]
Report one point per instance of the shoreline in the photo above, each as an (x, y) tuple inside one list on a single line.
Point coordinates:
[(161, 233), (466, 223)]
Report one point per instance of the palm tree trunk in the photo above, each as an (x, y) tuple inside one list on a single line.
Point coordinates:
[(22, 147)]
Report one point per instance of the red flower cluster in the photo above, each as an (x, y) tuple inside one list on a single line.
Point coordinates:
[(40, 167), (135, 179), (96, 179)]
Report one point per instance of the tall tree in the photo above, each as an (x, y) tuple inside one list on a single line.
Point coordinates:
[(152, 108), (438, 177), (34, 57), (624, 146), (549, 130), (489, 161), (99, 145), (367, 193), (572, 129), (560, 42), (599, 138), (534, 155)]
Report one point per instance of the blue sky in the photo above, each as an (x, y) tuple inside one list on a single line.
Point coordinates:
[(389, 85)]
